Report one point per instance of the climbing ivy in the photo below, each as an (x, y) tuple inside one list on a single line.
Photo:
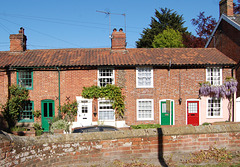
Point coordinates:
[(111, 92)]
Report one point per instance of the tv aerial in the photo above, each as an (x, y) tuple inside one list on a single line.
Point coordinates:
[(109, 15)]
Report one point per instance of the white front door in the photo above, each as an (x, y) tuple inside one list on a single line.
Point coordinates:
[(84, 117)]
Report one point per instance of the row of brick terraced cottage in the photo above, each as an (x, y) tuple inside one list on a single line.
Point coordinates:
[(161, 85)]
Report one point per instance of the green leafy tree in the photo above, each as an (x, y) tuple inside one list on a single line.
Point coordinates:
[(11, 110), (169, 38), (163, 19)]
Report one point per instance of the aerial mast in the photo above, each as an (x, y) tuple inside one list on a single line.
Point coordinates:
[(109, 14)]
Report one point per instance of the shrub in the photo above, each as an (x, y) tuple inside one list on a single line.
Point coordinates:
[(206, 123), (11, 110), (18, 129), (69, 111), (145, 126), (59, 124), (38, 129)]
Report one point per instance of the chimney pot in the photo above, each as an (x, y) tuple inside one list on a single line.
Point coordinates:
[(118, 40), (21, 31)]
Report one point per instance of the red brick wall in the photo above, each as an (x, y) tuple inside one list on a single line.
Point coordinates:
[(146, 144), (171, 84)]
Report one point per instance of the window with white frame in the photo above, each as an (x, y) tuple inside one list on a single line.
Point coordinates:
[(145, 109), (105, 111), (214, 107), (144, 77), (105, 76), (214, 76)]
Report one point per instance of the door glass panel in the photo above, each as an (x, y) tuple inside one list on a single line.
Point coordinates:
[(45, 110), (164, 108), (50, 110), (84, 109), (192, 108)]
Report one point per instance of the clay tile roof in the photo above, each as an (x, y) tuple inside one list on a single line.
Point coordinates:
[(104, 56)]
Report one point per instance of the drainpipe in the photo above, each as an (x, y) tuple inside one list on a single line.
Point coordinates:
[(59, 91)]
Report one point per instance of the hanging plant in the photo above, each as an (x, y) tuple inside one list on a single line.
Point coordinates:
[(111, 92)]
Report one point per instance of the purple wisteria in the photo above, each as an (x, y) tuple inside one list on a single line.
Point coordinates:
[(221, 91)]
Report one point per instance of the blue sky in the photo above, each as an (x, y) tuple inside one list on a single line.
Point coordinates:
[(52, 24)]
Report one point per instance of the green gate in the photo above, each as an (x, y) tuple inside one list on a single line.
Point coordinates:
[(48, 113), (166, 112)]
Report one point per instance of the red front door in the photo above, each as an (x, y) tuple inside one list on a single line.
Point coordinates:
[(193, 113)]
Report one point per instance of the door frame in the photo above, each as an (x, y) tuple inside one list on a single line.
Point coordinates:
[(79, 99), (199, 109), (237, 113), (160, 112), (42, 108)]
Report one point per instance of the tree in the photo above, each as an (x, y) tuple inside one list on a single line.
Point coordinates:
[(14, 105), (169, 38), (191, 41), (163, 19), (236, 7), (205, 25)]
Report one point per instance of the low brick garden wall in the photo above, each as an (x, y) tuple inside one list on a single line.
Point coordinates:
[(148, 144)]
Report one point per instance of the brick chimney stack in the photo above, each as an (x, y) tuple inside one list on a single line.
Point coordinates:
[(18, 41), (118, 40), (226, 7)]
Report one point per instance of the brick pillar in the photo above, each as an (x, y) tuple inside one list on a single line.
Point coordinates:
[(118, 40), (226, 7)]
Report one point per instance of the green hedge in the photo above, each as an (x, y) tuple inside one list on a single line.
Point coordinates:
[(145, 126)]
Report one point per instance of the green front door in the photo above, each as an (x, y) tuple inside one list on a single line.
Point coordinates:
[(47, 113), (166, 112)]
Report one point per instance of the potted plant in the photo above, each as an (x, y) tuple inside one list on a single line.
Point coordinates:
[(38, 129)]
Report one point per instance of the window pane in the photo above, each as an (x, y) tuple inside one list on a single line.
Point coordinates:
[(45, 110), (25, 78), (214, 107), (144, 77), (192, 108), (84, 109), (145, 109), (105, 77), (26, 114), (50, 110), (106, 112), (214, 76)]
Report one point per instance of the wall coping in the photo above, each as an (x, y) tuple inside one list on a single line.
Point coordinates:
[(134, 133)]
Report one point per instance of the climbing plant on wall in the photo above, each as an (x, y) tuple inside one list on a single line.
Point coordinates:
[(11, 109), (111, 92), (226, 90)]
